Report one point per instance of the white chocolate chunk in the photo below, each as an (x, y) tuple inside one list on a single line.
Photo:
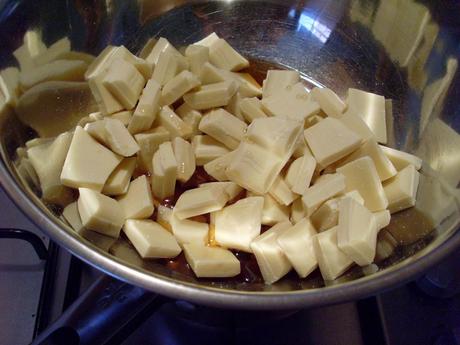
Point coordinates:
[(224, 127), (292, 102), (123, 116), (382, 219), (299, 174), (217, 167), (211, 96), (210, 74), (330, 140), (162, 45), (198, 201), (137, 203), (47, 161), (361, 175), (222, 55), (271, 259), (97, 130), (272, 212), (189, 231), (54, 52), (279, 80), (211, 262), (356, 124), (64, 70), (100, 213), (174, 89), (384, 167), (356, 232), (147, 108), (297, 211), (185, 158), (164, 217), (208, 40), (119, 139), (164, 171), (254, 168), (169, 65), (150, 239), (107, 103), (207, 149), (297, 244), (32, 47), (401, 190), (401, 159), (9, 86), (324, 189), (230, 188), (125, 83), (88, 163), (371, 108), (281, 192), (148, 143), (173, 123), (329, 102), (197, 56), (247, 85), (233, 106), (312, 120), (191, 117), (118, 181), (238, 224), (276, 134), (332, 261), (301, 148), (251, 108)]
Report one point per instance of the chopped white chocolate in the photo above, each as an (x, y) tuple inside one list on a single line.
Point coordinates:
[(297, 244), (356, 232), (47, 161), (238, 224), (329, 102), (233, 106), (401, 159), (217, 167), (146, 109), (207, 149), (31, 48), (332, 261), (254, 168), (251, 108), (88, 163), (164, 217), (66, 70), (281, 192), (401, 190), (191, 117), (182, 83), (169, 65), (148, 143), (119, 139), (164, 171), (208, 40), (382, 219), (54, 52), (222, 55), (370, 148), (123, 116), (100, 213), (330, 140), (230, 188), (210, 74), (327, 215), (324, 189), (356, 124), (299, 174), (97, 130), (9, 86), (224, 127), (273, 212), (271, 259), (361, 175), (293, 102), (118, 181), (313, 120), (137, 203), (185, 158), (107, 103), (189, 231), (197, 56), (211, 262), (162, 45), (125, 83), (173, 123), (371, 108), (150, 239), (297, 211), (277, 81), (301, 148), (278, 135), (211, 96), (247, 85), (198, 201)]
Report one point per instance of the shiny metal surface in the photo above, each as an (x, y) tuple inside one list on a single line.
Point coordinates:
[(404, 50)]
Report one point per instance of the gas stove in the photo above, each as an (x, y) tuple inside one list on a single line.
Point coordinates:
[(39, 281)]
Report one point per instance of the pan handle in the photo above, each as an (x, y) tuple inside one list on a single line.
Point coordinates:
[(100, 313)]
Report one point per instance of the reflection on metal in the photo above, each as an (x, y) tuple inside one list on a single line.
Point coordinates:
[(309, 21)]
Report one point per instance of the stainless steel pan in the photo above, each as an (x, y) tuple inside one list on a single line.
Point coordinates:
[(405, 50)]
